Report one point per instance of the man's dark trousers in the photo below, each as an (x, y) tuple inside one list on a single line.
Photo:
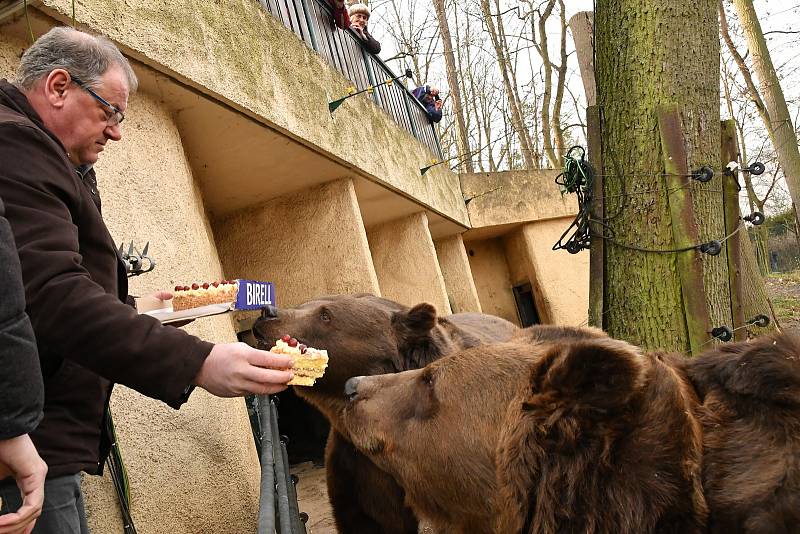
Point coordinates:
[(63, 511)]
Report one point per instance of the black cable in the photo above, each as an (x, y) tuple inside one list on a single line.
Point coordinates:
[(577, 177)]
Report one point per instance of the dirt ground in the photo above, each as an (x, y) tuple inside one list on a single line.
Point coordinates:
[(784, 291), (312, 496)]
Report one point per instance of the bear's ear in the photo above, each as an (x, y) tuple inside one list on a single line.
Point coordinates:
[(595, 373), (420, 319)]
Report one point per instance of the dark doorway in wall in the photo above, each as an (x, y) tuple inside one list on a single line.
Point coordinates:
[(305, 428), (523, 295)]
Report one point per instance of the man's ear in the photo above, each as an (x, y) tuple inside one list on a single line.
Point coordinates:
[(56, 86)]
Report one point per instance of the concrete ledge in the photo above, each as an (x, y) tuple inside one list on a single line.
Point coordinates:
[(502, 198)]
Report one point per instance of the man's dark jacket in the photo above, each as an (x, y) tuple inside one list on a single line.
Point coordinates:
[(76, 287), (21, 394)]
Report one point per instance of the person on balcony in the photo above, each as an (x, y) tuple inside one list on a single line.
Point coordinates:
[(359, 16), (429, 98), (341, 18)]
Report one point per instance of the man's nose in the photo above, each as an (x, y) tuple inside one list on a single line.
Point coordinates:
[(114, 132)]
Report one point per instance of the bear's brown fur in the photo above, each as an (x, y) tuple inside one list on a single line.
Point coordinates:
[(368, 335), (750, 412), (569, 430)]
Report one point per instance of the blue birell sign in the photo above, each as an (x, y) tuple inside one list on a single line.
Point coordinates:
[(254, 295)]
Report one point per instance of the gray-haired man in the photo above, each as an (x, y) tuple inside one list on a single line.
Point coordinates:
[(69, 101)]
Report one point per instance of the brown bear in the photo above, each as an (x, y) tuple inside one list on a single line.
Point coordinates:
[(560, 430), (750, 394), (368, 335)]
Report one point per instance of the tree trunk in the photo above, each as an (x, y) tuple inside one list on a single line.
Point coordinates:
[(645, 60), (453, 84), (784, 137), (547, 67), (516, 114), (561, 80)]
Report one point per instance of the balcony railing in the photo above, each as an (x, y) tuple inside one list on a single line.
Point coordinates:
[(312, 21)]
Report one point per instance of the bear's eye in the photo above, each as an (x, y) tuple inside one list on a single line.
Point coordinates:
[(325, 315), (427, 377)]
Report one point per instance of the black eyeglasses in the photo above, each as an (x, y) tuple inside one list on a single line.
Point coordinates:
[(116, 116)]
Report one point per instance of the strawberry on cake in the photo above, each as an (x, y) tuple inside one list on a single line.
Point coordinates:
[(198, 295), (309, 363)]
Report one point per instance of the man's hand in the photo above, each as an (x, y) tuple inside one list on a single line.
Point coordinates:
[(18, 458), (236, 369), (438, 105), (155, 301)]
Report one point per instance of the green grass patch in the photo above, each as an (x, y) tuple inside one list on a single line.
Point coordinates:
[(786, 307), (792, 276)]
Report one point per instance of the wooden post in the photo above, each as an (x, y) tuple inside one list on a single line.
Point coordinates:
[(730, 199), (582, 26), (597, 250), (684, 228)]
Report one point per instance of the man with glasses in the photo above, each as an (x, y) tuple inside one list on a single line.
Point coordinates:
[(68, 101)]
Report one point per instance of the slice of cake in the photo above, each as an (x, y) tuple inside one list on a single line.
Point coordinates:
[(309, 363), (185, 297)]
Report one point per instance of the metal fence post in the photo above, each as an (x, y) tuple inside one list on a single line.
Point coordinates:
[(266, 500), (411, 118), (311, 34)]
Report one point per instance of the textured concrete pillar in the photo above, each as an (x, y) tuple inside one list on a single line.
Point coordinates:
[(490, 271), (310, 243), (560, 279), (405, 262), (457, 275)]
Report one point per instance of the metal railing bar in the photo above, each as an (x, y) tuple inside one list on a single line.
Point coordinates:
[(266, 500), (281, 479), (311, 29), (298, 527)]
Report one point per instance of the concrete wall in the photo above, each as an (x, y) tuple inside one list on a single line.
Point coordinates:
[(239, 53), (311, 243), (492, 278), (559, 280), (525, 213), (457, 275), (406, 264), (183, 463)]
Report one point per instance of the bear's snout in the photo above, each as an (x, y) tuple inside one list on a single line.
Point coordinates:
[(351, 387), (269, 312)]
